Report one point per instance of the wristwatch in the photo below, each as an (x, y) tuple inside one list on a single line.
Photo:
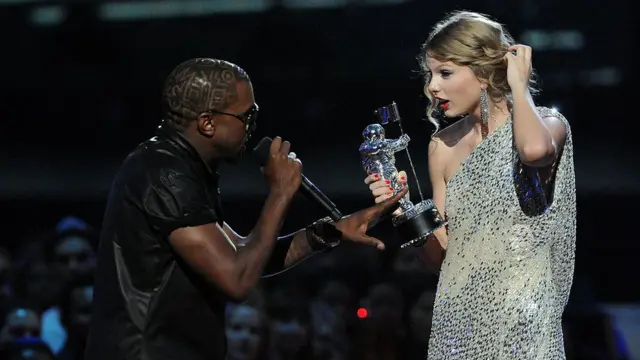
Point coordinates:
[(323, 234)]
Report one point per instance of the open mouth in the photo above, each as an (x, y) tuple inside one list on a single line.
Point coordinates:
[(443, 104)]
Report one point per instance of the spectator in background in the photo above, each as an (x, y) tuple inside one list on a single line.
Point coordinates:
[(329, 337), (246, 330), (26, 349), (36, 285), (75, 313), (333, 314), (20, 323), (73, 257), (338, 296), (289, 325)]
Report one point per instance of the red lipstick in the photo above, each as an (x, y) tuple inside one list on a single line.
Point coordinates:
[(443, 104)]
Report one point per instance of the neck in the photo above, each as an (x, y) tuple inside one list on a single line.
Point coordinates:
[(498, 114), (206, 152)]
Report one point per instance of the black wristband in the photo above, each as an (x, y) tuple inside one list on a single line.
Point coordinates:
[(323, 234)]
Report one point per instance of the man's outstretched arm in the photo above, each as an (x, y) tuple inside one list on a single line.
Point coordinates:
[(207, 250), (289, 250), (322, 235)]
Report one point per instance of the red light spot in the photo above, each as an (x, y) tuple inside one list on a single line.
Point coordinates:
[(362, 313)]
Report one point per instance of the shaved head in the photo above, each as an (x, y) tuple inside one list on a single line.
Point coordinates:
[(199, 85)]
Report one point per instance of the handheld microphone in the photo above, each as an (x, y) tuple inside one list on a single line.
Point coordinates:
[(308, 189)]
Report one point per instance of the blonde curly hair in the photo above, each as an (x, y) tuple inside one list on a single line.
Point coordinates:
[(470, 39)]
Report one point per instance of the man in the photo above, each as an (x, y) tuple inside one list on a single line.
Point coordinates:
[(167, 261)]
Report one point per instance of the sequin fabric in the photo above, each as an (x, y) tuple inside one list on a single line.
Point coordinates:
[(509, 265)]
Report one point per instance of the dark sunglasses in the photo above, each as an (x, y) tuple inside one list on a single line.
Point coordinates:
[(248, 117)]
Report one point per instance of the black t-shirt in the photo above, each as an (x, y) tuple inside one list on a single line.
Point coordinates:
[(148, 303)]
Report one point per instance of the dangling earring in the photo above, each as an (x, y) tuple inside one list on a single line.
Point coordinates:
[(484, 107), (484, 113)]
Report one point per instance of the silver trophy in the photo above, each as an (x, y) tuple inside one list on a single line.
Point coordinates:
[(416, 222)]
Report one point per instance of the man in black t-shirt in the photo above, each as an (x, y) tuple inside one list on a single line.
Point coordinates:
[(167, 260)]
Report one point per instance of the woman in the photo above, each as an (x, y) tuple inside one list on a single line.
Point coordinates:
[(503, 176)]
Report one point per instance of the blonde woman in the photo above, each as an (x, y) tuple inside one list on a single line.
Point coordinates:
[(504, 177)]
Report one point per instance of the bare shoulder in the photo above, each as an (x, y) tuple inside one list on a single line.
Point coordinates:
[(438, 154), (444, 141), (452, 134), (437, 148)]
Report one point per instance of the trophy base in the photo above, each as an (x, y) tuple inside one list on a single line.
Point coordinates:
[(416, 224)]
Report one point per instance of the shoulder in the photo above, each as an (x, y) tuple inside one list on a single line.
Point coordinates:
[(155, 161), (435, 146), (172, 193), (151, 169), (445, 140), (451, 135), (438, 153)]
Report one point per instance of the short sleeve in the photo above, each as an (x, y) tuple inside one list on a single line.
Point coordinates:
[(534, 192), (176, 198)]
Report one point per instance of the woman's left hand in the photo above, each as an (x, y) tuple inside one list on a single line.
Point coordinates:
[(519, 66)]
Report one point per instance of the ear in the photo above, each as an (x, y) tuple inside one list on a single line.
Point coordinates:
[(483, 84), (206, 125)]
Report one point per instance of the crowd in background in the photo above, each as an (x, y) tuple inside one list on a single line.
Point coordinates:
[(46, 294)]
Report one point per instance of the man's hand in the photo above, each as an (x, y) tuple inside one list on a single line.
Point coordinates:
[(282, 170), (354, 227)]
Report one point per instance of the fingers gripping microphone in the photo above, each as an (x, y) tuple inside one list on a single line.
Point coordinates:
[(307, 188)]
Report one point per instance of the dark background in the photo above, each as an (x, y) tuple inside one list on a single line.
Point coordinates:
[(81, 87)]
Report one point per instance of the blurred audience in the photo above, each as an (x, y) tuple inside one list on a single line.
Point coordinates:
[(6, 291), (246, 330), (20, 323), (289, 324), (72, 257), (382, 333), (46, 292), (26, 349)]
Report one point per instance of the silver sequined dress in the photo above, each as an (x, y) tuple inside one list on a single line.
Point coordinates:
[(509, 265)]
